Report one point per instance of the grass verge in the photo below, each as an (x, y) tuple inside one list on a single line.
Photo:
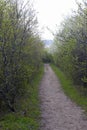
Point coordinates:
[(69, 89), (28, 110)]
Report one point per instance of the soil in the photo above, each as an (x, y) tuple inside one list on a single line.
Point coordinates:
[(58, 112)]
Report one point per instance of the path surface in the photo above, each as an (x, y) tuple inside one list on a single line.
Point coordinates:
[(58, 111)]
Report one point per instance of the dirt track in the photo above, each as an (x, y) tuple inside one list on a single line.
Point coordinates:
[(58, 111)]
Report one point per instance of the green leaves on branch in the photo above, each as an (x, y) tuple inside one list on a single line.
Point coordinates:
[(20, 49), (71, 46)]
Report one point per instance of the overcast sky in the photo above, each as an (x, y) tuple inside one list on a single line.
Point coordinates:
[(51, 12)]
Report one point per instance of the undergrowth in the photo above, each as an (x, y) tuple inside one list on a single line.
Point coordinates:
[(69, 89), (27, 107)]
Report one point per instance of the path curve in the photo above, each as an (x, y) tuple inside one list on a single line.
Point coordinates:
[(58, 111)]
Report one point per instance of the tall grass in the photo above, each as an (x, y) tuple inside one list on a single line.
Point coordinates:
[(27, 109), (69, 89)]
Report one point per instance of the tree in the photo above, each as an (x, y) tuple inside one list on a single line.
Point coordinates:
[(71, 46), (20, 54)]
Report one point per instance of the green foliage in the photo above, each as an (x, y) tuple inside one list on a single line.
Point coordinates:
[(20, 50), (27, 107), (47, 57), (71, 46)]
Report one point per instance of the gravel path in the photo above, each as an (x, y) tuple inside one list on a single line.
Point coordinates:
[(58, 111)]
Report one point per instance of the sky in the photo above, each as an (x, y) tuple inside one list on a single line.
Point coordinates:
[(50, 14)]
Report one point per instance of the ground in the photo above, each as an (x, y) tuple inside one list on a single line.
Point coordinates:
[(58, 112)]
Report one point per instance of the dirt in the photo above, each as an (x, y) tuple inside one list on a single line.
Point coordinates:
[(58, 112)]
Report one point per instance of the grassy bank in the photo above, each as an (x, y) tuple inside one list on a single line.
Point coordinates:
[(70, 89), (27, 110)]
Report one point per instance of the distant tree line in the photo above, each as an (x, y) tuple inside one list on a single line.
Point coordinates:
[(47, 57), (70, 46), (20, 49)]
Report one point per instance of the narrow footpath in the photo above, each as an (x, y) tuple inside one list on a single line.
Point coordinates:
[(58, 111)]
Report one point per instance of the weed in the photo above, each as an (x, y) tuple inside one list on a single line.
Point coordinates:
[(27, 109), (69, 89)]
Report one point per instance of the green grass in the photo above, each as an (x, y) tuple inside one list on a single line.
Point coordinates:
[(27, 116), (69, 89)]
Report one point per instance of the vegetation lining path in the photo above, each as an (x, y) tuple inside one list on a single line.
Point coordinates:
[(58, 111)]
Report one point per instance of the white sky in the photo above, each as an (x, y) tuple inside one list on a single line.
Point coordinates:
[(50, 13)]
